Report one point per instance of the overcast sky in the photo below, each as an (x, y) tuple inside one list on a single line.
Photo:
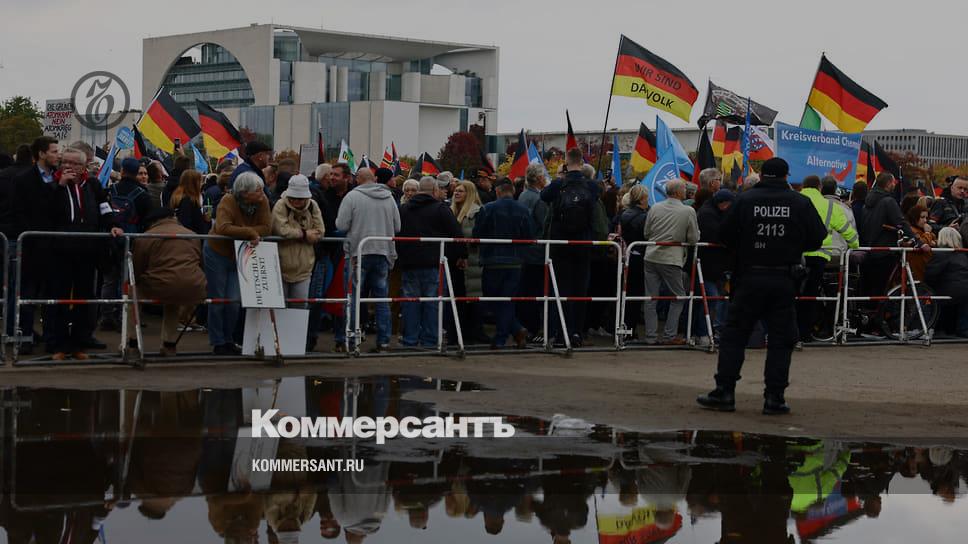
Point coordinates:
[(554, 54)]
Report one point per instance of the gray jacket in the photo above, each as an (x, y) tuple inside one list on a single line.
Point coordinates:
[(670, 221), (369, 210)]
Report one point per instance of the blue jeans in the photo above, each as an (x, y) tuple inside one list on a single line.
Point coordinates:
[(717, 310), (223, 282), (420, 318), (375, 275), (502, 282)]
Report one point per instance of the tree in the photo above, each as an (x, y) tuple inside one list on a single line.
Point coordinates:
[(287, 154), (911, 165), (21, 106), (18, 130), (461, 152)]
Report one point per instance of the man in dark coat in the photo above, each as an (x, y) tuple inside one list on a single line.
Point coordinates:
[(424, 215), (714, 260)]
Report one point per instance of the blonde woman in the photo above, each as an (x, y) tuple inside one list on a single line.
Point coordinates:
[(466, 274)]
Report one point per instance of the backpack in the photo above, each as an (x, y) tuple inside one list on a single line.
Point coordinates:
[(125, 210), (574, 210)]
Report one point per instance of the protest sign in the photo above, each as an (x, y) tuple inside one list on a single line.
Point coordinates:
[(308, 155), (260, 276), (59, 119), (818, 153)]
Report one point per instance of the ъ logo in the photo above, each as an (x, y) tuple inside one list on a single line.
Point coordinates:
[(97, 96)]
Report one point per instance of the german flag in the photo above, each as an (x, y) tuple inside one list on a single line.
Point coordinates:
[(845, 103), (428, 166), (571, 142), (641, 74), (719, 139), (165, 120), (644, 154), (140, 149), (704, 155), (519, 166), (733, 149), (884, 163), (218, 133), (863, 158)]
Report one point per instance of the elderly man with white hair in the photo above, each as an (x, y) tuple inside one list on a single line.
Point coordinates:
[(243, 214), (668, 221)]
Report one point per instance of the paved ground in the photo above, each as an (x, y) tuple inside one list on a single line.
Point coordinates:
[(897, 393)]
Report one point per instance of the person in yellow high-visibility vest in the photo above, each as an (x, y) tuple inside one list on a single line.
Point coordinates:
[(835, 220)]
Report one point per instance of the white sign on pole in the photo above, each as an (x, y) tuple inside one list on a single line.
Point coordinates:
[(260, 276), (59, 119), (308, 155)]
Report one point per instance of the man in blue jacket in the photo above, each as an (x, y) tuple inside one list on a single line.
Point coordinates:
[(504, 218)]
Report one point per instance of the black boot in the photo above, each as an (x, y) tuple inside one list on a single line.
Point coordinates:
[(775, 405), (719, 399)]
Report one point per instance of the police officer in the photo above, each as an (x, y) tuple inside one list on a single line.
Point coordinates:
[(768, 227)]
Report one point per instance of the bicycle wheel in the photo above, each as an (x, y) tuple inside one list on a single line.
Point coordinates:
[(890, 313)]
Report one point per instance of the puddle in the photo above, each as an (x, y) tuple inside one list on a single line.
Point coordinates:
[(148, 466)]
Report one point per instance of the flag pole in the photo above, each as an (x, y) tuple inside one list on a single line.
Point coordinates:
[(608, 108)]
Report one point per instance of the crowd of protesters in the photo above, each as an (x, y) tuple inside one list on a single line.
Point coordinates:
[(50, 186)]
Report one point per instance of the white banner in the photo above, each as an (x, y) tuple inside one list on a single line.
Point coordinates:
[(260, 276), (59, 119)]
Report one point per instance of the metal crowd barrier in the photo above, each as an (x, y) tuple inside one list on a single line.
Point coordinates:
[(129, 301), (551, 283)]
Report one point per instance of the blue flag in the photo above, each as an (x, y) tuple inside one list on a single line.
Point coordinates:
[(123, 139), (616, 162), (664, 171), (462, 174), (200, 163), (665, 140), (535, 158)]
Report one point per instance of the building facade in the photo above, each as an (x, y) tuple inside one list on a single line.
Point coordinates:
[(288, 84), (932, 148)]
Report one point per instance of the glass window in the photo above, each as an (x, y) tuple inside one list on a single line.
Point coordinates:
[(333, 120), (394, 87), (260, 120)]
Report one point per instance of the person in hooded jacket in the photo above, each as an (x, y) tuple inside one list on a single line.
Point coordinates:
[(369, 210), (297, 219)]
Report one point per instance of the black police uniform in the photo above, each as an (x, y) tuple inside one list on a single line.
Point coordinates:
[(769, 227)]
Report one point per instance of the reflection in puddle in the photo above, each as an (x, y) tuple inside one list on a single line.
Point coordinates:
[(149, 466)]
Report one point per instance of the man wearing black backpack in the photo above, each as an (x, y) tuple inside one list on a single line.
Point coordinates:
[(575, 212)]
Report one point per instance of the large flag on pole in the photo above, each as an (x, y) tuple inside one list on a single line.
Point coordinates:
[(841, 100), (666, 140), (571, 142), (164, 121), (641, 74), (616, 162), (520, 164), (535, 158), (320, 149), (428, 166), (644, 151), (725, 105), (810, 118), (884, 163), (218, 133)]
